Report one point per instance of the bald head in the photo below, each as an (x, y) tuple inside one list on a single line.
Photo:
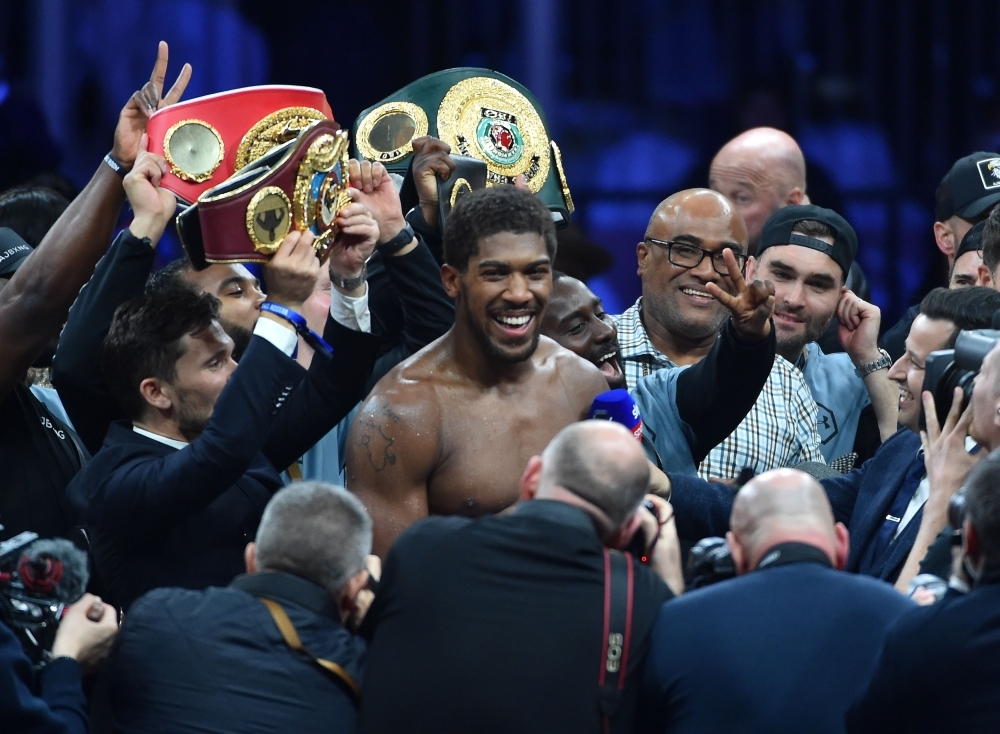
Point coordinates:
[(761, 170), (600, 462), (782, 506), (674, 213)]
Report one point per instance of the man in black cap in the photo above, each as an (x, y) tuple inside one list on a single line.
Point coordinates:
[(968, 259), (807, 251), (965, 196)]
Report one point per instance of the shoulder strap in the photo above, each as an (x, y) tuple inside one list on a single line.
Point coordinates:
[(291, 637), (619, 582)]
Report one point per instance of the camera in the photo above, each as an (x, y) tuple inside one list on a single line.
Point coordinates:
[(947, 369), (38, 579), (709, 562)]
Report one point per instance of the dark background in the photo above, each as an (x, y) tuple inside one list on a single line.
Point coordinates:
[(882, 95)]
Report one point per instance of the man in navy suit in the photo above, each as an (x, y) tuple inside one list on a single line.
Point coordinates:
[(882, 501), (939, 669), (786, 645), (178, 490)]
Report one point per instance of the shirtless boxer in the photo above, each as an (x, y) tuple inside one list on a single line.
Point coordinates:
[(449, 431)]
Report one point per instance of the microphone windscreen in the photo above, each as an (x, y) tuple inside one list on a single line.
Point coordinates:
[(55, 567), (618, 406)]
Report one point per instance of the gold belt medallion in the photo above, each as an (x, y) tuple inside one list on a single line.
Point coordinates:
[(277, 128), (268, 220), (386, 133), (487, 119), (194, 149), (321, 189)]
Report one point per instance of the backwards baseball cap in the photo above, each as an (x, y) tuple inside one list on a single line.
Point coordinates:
[(13, 250), (971, 187), (972, 241), (778, 231)]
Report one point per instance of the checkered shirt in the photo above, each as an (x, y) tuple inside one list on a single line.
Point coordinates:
[(779, 431)]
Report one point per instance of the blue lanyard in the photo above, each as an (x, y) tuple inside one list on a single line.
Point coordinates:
[(311, 338)]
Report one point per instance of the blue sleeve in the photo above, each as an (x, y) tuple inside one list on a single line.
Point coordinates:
[(61, 707), (669, 436)]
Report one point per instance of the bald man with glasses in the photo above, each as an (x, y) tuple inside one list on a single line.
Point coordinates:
[(677, 320)]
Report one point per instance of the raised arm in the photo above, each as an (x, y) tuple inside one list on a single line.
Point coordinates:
[(34, 304), (392, 450)]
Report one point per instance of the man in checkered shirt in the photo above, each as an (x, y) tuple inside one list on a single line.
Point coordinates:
[(677, 320)]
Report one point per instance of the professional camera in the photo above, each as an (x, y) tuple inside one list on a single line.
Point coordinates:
[(709, 562), (947, 369), (38, 579)]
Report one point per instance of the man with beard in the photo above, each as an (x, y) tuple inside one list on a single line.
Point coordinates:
[(677, 322), (448, 430), (807, 251), (178, 488), (704, 402)]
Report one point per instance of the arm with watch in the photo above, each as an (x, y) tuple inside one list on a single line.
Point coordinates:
[(33, 306), (858, 331)]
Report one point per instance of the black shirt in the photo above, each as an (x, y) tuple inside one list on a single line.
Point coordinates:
[(496, 625), (39, 458)]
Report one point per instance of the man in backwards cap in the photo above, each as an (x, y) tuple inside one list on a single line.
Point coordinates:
[(964, 197), (807, 251)]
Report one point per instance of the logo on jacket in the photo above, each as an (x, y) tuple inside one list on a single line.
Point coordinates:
[(826, 424)]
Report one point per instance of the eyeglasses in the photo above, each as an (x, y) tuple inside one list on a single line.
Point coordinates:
[(686, 255)]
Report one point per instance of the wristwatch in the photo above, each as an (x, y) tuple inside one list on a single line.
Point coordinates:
[(397, 243), (349, 284), (884, 362)]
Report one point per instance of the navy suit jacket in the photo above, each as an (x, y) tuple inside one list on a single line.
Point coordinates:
[(158, 516), (783, 649), (860, 500), (939, 670)]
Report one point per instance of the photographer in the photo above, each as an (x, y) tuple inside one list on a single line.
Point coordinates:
[(53, 700), (940, 666), (495, 624), (782, 648)]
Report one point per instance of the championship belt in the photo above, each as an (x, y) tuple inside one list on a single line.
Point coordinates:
[(207, 139), (482, 115), (299, 185)]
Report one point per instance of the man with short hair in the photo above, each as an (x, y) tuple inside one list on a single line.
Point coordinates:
[(883, 501), (499, 624), (939, 669), (222, 659), (807, 251), (786, 645), (988, 275), (178, 488), (964, 197), (969, 259), (678, 318)]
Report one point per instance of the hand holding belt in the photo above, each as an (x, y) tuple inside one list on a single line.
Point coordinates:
[(299, 185)]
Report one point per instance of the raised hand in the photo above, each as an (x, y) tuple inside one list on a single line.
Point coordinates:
[(431, 162), (292, 273), (153, 206), (133, 117), (945, 458), (752, 305), (356, 240), (858, 324), (377, 192)]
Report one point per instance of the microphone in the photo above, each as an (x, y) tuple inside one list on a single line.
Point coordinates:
[(619, 407), (56, 569)]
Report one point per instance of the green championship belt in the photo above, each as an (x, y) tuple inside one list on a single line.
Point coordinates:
[(480, 114)]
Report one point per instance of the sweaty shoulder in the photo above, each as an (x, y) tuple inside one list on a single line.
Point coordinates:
[(580, 379)]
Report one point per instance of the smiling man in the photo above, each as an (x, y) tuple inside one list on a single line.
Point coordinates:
[(448, 431), (678, 319)]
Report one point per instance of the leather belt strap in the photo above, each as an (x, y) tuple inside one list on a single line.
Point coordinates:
[(619, 583), (291, 637)]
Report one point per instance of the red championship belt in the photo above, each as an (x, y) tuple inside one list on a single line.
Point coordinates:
[(207, 139), (299, 185)]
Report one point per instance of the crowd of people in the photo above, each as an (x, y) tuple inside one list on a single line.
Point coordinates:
[(377, 492)]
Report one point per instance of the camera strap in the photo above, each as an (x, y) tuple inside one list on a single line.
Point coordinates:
[(619, 582), (291, 637)]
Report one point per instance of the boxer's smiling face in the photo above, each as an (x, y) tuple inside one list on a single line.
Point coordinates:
[(503, 293)]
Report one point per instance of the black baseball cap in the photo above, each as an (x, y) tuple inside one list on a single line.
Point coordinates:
[(778, 231), (971, 187), (13, 250), (972, 241)]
